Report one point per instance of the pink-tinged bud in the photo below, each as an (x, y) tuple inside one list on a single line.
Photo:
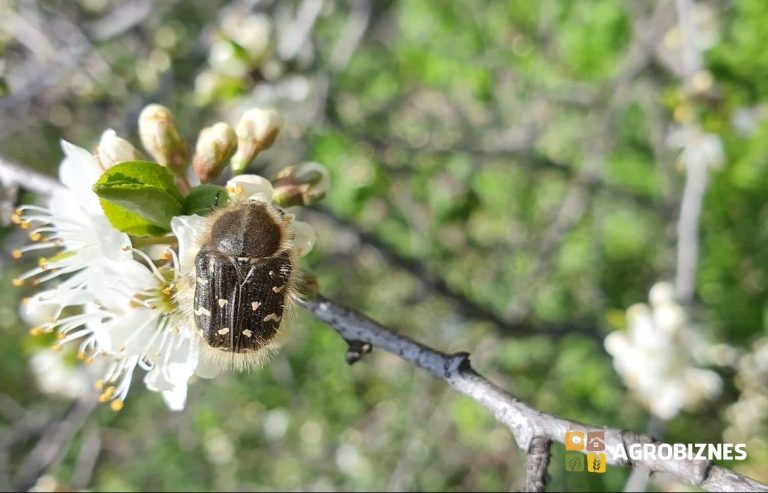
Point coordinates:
[(114, 150), (301, 184), (161, 139), (256, 131), (215, 145)]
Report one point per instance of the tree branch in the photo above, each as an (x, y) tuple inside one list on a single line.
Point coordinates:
[(538, 460), (524, 422)]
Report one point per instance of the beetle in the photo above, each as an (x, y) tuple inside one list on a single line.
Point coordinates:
[(244, 279)]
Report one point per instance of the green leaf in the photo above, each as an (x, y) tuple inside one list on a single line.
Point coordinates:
[(204, 198), (139, 197)]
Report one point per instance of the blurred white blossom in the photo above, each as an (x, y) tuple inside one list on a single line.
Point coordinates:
[(698, 147), (658, 356), (747, 416)]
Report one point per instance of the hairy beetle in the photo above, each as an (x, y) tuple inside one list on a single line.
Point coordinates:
[(244, 278)]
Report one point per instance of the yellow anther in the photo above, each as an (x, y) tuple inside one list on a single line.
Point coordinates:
[(88, 360), (35, 331), (107, 394), (34, 282), (16, 253), (60, 335), (16, 217), (235, 189), (18, 282), (99, 384), (56, 347), (116, 405), (166, 255), (35, 236), (42, 262), (167, 290), (25, 301), (81, 355), (25, 224)]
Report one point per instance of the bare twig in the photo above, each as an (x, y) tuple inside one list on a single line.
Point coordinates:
[(86, 460), (524, 422), (536, 468), (53, 444), (15, 174)]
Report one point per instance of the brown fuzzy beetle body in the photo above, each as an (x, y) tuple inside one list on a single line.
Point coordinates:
[(244, 279)]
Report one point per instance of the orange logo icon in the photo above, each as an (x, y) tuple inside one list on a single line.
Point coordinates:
[(596, 462), (574, 440)]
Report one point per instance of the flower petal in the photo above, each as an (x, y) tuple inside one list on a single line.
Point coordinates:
[(304, 238), (250, 187), (176, 398), (78, 172), (188, 230)]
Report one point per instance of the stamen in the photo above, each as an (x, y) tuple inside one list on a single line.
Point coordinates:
[(16, 253), (151, 264), (116, 405)]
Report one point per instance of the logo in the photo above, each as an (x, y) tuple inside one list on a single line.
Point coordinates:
[(576, 443), (574, 440), (586, 450), (574, 461), (596, 462), (595, 441)]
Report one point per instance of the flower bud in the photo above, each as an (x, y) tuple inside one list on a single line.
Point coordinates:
[(114, 150), (161, 139), (301, 184), (256, 131), (215, 145)]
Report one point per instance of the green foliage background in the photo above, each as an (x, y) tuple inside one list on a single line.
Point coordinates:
[(453, 135)]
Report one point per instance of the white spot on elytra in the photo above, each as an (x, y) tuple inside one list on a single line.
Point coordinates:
[(271, 273), (255, 305), (202, 311), (243, 259), (247, 333), (223, 331), (272, 316), (277, 289), (222, 302), (202, 281)]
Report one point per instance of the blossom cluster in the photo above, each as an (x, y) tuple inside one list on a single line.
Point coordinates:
[(659, 356), (112, 282)]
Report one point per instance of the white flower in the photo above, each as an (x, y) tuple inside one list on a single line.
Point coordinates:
[(73, 228), (698, 147), (656, 356), (54, 375), (126, 308)]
